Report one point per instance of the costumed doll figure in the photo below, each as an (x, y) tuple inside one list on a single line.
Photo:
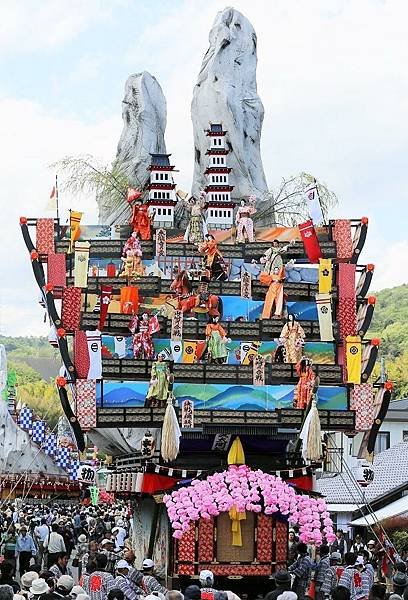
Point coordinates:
[(142, 330), (183, 290), (272, 258), (132, 243), (160, 378), (132, 264), (206, 302), (217, 340), (141, 221), (292, 337), (213, 262), (197, 227), (244, 222), (273, 305), (305, 386)]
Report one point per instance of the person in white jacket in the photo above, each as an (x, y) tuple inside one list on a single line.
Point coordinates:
[(54, 545)]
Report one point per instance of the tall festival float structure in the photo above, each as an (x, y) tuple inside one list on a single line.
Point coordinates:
[(207, 362)]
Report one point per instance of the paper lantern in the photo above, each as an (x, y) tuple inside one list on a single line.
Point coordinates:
[(364, 474), (86, 474), (148, 445)]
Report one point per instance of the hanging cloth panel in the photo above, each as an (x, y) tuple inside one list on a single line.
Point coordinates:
[(362, 402), (325, 275), (324, 313), (353, 358), (71, 308), (347, 313), (57, 271), (106, 296), (81, 264), (75, 227), (342, 237), (86, 403), (45, 236), (129, 300), (310, 241), (95, 354), (81, 354)]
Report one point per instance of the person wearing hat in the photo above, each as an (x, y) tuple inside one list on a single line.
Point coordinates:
[(106, 547), (399, 585), (64, 586), (25, 550), (27, 579), (39, 587), (76, 591), (283, 583), (123, 582), (206, 579), (333, 574), (150, 583), (119, 533)]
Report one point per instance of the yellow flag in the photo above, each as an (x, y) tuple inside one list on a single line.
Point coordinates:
[(75, 226), (236, 454)]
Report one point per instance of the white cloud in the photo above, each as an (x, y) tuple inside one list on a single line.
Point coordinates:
[(329, 75), (27, 25), (32, 139)]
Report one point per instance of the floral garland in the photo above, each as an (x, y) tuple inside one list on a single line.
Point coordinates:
[(254, 491)]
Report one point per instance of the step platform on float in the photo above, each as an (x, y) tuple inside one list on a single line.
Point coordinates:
[(153, 286), (224, 421), (118, 324), (113, 249), (128, 368)]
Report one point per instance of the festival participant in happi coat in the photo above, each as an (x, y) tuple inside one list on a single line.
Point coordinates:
[(292, 337), (302, 570), (352, 579), (272, 258), (304, 387), (244, 222), (150, 583), (217, 340), (321, 571), (332, 575), (142, 330), (160, 377), (273, 305), (197, 227), (213, 262)]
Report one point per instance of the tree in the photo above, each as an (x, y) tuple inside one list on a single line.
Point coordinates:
[(88, 174), (287, 206)]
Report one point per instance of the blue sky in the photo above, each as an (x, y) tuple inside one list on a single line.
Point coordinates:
[(331, 75)]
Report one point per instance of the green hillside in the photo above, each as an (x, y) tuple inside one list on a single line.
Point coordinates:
[(390, 323)]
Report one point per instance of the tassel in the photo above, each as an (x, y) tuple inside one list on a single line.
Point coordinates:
[(314, 436), (236, 454), (170, 440)]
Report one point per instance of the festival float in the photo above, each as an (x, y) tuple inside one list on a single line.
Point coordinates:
[(207, 359)]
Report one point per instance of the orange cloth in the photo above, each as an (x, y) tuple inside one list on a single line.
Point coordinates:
[(274, 295), (211, 327), (129, 300)]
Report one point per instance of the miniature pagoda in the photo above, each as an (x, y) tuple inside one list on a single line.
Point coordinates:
[(220, 208), (162, 195)]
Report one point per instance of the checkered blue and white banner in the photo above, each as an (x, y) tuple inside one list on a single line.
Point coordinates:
[(73, 470), (25, 418), (38, 434), (50, 445), (63, 457)]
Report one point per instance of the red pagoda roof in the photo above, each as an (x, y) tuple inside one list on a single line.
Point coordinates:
[(161, 186), (217, 170), (217, 151), (213, 187)]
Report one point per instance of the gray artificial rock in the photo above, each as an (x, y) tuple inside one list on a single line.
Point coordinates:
[(144, 113), (226, 92)]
